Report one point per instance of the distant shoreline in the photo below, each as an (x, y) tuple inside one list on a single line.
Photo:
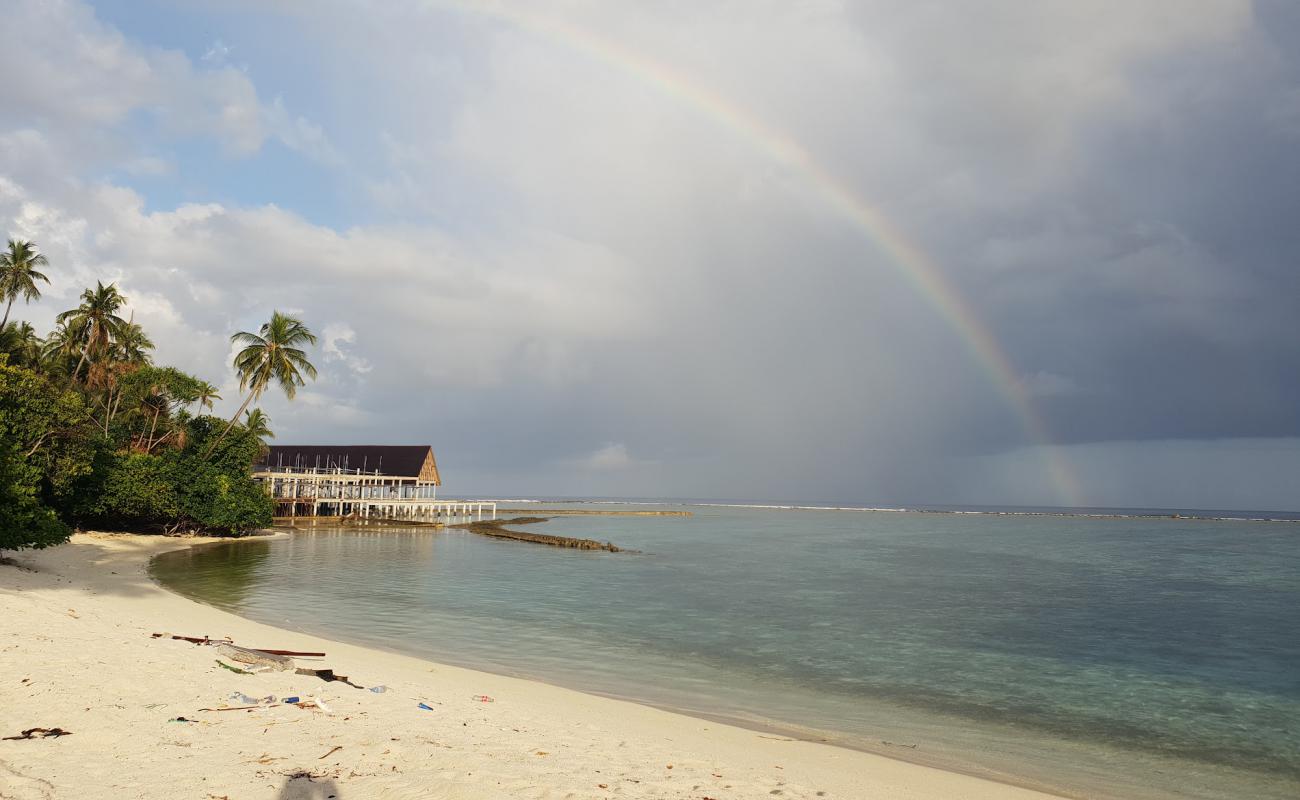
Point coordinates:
[(1171, 514)]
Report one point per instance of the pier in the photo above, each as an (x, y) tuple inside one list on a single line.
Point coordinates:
[(387, 482)]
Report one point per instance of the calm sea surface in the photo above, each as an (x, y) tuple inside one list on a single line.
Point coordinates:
[(1100, 657)]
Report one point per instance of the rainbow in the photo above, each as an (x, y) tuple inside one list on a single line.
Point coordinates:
[(907, 259)]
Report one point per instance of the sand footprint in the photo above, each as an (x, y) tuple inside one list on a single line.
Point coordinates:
[(16, 786)]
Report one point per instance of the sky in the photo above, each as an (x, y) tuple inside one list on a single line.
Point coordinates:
[(849, 251)]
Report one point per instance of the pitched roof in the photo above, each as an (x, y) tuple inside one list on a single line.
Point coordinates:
[(398, 461)]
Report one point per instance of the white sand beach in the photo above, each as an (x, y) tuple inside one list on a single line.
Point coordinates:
[(77, 654)]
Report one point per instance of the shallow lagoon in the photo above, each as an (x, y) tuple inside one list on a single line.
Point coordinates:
[(1112, 657)]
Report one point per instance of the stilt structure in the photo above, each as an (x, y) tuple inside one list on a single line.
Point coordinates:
[(388, 482)]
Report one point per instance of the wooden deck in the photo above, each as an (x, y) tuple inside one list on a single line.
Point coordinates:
[(315, 492)]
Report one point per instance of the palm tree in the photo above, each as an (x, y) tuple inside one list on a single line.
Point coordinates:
[(132, 346), (207, 394), (20, 342), (127, 354), (95, 323), (18, 274), (258, 423), (60, 348), (271, 355)]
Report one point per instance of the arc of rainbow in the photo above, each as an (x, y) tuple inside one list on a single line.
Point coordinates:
[(908, 260)]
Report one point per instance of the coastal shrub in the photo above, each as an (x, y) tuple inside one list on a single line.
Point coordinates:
[(24, 520), (130, 490), (177, 489), (40, 443), (225, 503), (220, 494)]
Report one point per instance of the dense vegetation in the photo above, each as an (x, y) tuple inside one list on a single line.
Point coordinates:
[(94, 434)]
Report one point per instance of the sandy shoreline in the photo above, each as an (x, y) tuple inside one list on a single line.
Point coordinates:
[(77, 655)]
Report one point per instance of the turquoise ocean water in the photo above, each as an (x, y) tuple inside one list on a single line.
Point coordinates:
[(1100, 657)]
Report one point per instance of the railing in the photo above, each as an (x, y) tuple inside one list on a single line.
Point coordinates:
[(316, 491)]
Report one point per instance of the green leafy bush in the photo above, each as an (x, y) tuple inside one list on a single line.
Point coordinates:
[(37, 420)]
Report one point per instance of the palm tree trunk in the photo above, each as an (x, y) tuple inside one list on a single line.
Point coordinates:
[(8, 308), (85, 351), (73, 377), (231, 424), (152, 428), (108, 409), (117, 403)]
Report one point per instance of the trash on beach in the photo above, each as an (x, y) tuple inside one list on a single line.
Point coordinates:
[(482, 698), (297, 653), (425, 706), (191, 639), (268, 650), (257, 658), (243, 698), (309, 703), (379, 689), (39, 733), (235, 670), (326, 675), (182, 719)]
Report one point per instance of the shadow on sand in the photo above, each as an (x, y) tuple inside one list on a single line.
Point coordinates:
[(304, 787)]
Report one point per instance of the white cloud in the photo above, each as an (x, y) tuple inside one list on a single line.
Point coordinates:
[(84, 80), (336, 334)]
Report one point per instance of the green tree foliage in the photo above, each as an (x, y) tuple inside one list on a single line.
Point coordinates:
[(18, 341), (93, 433), (24, 520), (177, 488), (154, 404), (41, 448)]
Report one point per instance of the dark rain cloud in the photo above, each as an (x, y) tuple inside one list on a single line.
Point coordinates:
[(579, 273)]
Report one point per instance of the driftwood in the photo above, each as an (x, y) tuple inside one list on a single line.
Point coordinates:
[(255, 657), (206, 640), (192, 639), (39, 733), (295, 653)]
